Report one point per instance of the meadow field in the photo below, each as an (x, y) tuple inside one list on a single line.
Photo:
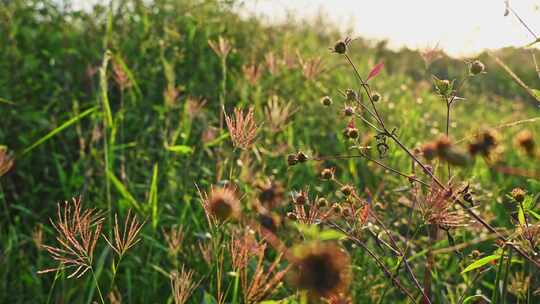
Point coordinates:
[(176, 151)]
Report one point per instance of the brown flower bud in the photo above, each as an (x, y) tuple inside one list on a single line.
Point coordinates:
[(327, 173), (326, 101), (348, 111), (346, 190), (292, 159), (476, 67), (375, 97), (351, 95), (518, 194)]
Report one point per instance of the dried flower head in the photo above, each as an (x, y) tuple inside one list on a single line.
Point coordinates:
[(326, 101), (347, 190), (518, 194), (484, 143), (375, 96), (322, 269), (351, 95), (429, 150), (328, 173), (222, 204), (524, 140), (221, 47), (292, 159), (271, 194), (182, 285), (242, 129), (6, 160), (78, 231), (122, 242), (341, 46), (351, 131), (437, 209), (476, 67), (348, 111)]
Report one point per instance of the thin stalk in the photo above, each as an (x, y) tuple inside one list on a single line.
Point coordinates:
[(97, 286), (505, 279)]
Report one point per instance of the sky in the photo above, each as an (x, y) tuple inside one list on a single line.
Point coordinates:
[(460, 27)]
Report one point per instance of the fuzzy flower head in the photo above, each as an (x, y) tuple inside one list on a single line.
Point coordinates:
[(322, 269), (242, 128), (221, 204)]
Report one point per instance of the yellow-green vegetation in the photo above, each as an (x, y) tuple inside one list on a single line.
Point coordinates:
[(170, 151)]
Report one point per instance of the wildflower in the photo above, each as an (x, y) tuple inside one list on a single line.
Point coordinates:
[(182, 285), (525, 141), (341, 46), (6, 160), (322, 269), (222, 204), (327, 173), (243, 129), (222, 47), (326, 101), (301, 198), (77, 233), (476, 67), (518, 194), (375, 97)]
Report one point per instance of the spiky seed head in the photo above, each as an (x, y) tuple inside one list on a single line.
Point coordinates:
[(322, 269), (346, 190), (223, 204), (476, 67), (351, 95), (326, 101), (348, 111), (518, 194), (292, 159), (327, 173), (375, 96), (352, 133), (340, 47), (302, 157), (484, 143)]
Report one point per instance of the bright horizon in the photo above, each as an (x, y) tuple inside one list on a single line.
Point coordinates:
[(460, 27)]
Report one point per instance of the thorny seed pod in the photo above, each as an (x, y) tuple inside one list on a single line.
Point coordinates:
[(346, 190), (351, 95), (322, 269), (301, 157), (326, 101), (375, 97), (292, 159), (348, 111), (476, 67), (327, 173), (525, 141), (518, 194)]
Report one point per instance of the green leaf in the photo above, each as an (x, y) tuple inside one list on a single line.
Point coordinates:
[(481, 262), (536, 94), (180, 149), (153, 197), (521, 217), (331, 234), (123, 190)]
